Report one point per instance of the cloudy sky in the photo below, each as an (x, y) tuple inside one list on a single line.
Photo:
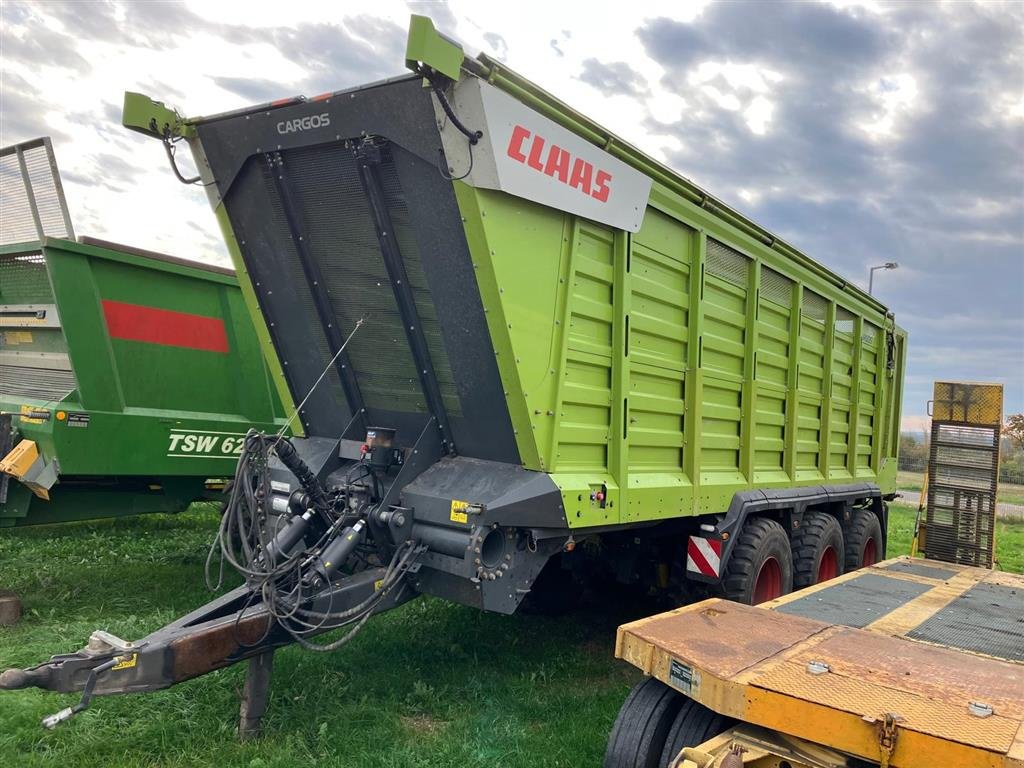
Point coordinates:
[(862, 132)]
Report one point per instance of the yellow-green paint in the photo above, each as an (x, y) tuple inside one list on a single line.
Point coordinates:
[(678, 365), (426, 45)]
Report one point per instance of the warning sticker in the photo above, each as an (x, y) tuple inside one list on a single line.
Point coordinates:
[(78, 420), (12, 338), (684, 678), (126, 662), (460, 512), (30, 415)]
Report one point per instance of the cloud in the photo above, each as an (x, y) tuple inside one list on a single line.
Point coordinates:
[(254, 90), (614, 79), (337, 57), (936, 184), (23, 117), (497, 44), (438, 11), (24, 38), (860, 134)]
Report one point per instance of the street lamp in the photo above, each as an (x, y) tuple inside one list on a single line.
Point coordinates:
[(871, 274)]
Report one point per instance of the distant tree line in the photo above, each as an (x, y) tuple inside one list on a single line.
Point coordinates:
[(1011, 463), (914, 451)]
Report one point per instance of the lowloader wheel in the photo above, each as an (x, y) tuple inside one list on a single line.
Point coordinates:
[(864, 543), (694, 725), (638, 736), (760, 567), (819, 553)]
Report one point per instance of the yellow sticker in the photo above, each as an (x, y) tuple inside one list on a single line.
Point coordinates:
[(17, 337), (459, 513), (30, 415), (126, 662), (378, 584)]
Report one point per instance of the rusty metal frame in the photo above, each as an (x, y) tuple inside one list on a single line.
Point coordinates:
[(753, 664)]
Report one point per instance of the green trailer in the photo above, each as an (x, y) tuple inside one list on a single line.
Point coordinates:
[(526, 357), (128, 379)]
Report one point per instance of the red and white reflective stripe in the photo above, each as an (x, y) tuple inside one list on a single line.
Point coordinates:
[(704, 556)]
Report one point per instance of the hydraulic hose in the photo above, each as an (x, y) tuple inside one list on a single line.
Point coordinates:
[(309, 482)]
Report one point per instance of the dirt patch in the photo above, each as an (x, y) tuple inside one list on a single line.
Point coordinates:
[(423, 724)]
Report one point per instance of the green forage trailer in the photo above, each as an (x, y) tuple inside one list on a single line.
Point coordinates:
[(527, 356), (128, 379)]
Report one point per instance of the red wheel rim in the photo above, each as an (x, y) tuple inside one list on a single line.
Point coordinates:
[(768, 584), (870, 556), (828, 566)]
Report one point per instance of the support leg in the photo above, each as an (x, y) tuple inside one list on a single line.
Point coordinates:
[(10, 608), (255, 695)]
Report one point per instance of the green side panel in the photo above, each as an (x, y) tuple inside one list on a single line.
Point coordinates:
[(677, 366), (517, 250), (118, 408), (70, 501), (163, 375)]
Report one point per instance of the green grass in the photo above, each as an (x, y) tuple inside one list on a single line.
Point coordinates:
[(430, 684), (909, 481), (1009, 537), (1008, 493)]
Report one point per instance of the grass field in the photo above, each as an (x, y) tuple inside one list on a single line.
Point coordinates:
[(1009, 493), (429, 684)]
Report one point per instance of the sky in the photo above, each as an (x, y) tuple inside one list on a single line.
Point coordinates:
[(861, 132)]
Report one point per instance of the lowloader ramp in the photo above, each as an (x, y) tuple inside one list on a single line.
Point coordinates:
[(906, 663)]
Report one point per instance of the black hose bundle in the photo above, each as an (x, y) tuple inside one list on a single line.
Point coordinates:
[(287, 582)]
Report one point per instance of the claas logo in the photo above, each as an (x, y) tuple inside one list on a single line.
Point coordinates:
[(533, 151)]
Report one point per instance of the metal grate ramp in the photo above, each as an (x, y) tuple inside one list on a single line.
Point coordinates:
[(963, 473), (32, 203)]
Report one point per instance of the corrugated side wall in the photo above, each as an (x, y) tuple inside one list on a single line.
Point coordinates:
[(677, 366)]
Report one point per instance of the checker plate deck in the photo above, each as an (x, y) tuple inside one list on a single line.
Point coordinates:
[(918, 639)]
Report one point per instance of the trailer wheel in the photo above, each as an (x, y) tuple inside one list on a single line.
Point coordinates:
[(760, 567), (638, 736), (694, 725), (864, 543), (819, 553)]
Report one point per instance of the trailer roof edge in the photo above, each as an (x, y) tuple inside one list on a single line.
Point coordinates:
[(518, 86)]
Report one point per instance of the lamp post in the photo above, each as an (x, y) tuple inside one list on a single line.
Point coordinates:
[(871, 274)]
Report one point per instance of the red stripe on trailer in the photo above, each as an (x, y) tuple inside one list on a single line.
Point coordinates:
[(704, 556), (134, 322)]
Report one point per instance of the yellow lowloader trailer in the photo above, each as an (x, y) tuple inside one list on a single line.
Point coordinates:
[(906, 663)]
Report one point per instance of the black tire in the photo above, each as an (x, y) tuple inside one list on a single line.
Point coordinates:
[(864, 531), (638, 736), (760, 540), (818, 546), (694, 724)]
